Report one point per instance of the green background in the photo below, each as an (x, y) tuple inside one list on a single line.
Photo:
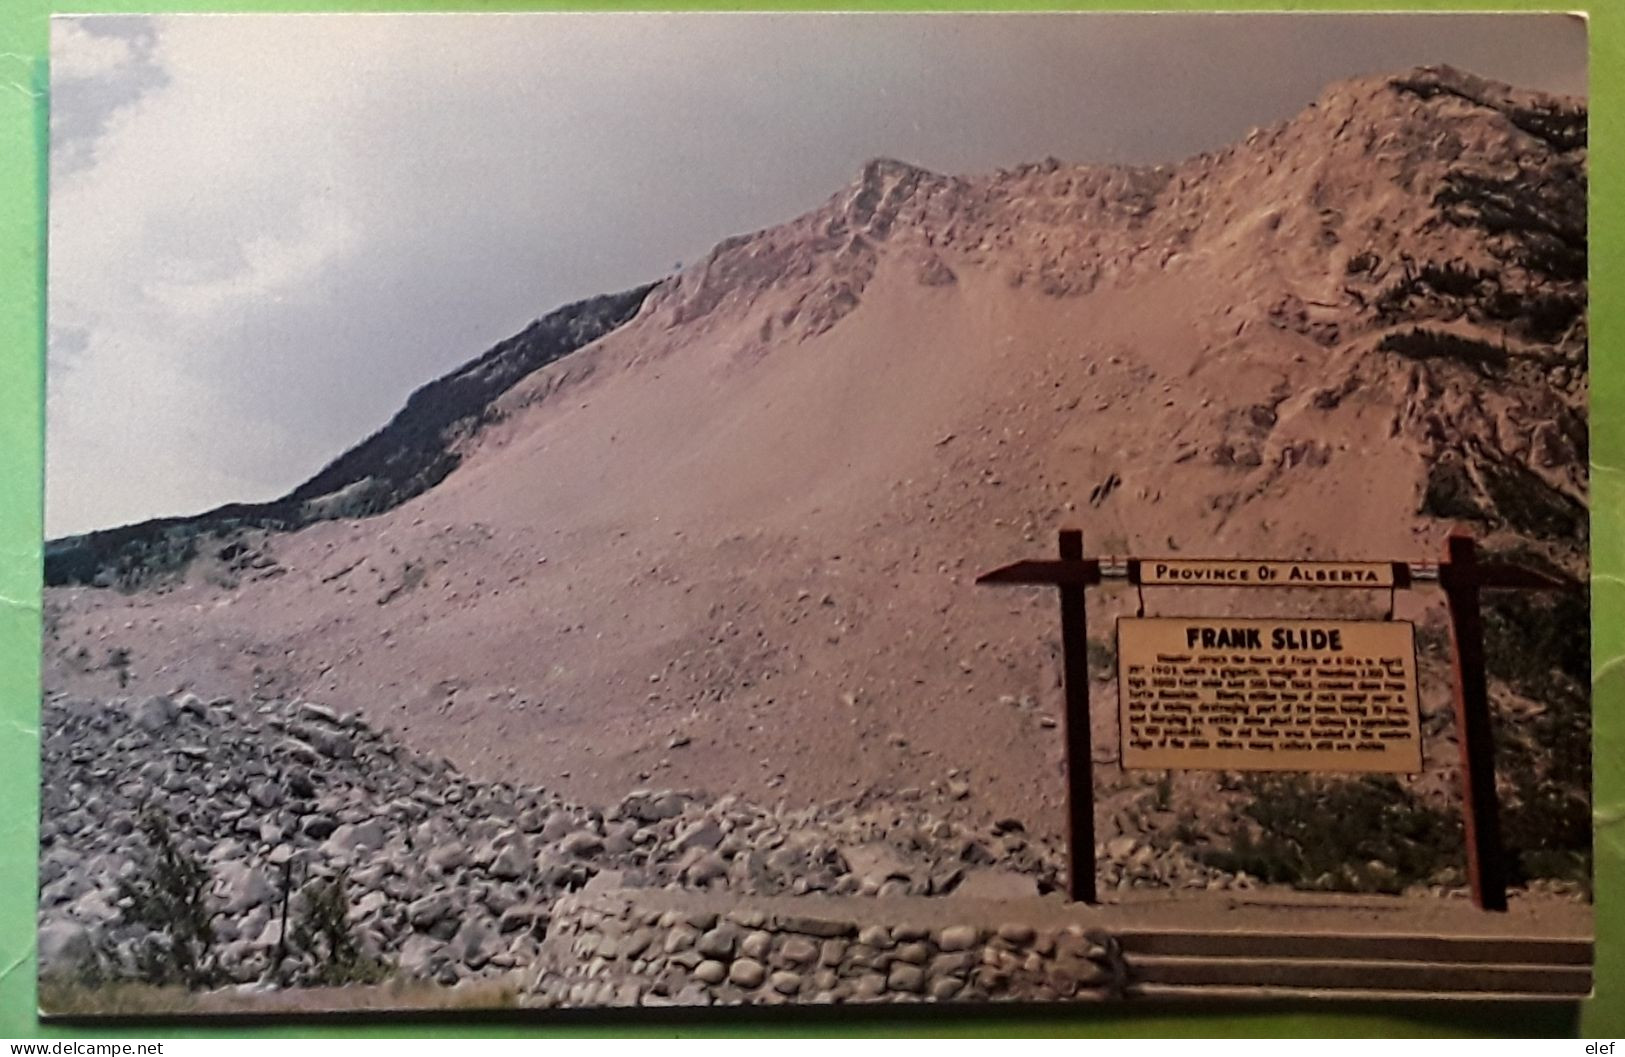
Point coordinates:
[(23, 125)]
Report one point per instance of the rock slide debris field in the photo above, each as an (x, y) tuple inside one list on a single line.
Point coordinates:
[(448, 877), (663, 898)]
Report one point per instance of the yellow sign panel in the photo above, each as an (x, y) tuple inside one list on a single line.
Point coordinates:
[(1268, 695), (1196, 572)]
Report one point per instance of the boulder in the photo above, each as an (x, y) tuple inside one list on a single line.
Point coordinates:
[(264, 793), (474, 942), (298, 751), (700, 867), (704, 833), (153, 714), (431, 909), (581, 844), (353, 838), (93, 908), (798, 950), (448, 857), (558, 826), (521, 916), (421, 956), (241, 887), (1000, 885), (64, 947), (510, 864), (310, 710), (650, 806)]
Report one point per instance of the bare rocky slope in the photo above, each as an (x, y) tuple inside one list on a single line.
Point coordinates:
[(408, 456), (728, 544)]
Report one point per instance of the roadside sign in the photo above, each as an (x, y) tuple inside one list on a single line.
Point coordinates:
[(1225, 693), (1234, 694)]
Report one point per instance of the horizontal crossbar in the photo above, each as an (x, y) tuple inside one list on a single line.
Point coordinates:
[(1091, 571), (1054, 571)]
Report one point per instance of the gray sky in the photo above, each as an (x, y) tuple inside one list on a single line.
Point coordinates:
[(267, 230)]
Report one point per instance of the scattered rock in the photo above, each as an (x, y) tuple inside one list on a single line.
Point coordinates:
[(153, 714), (64, 946), (241, 887)]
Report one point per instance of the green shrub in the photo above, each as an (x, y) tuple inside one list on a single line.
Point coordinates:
[(323, 932), (1540, 646), (168, 894), (1363, 835)]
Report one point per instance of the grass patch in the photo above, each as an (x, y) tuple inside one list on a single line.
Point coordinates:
[(73, 998), (1450, 279), (123, 998), (1363, 835)]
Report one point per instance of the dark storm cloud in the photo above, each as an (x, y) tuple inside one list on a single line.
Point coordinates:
[(267, 230)]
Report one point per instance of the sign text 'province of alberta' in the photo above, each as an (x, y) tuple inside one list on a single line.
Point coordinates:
[(1195, 572)]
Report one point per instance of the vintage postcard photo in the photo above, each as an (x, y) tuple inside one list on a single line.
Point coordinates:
[(591, 511)]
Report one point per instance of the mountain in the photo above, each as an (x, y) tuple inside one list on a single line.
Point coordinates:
[(721, 533), (408, 456)]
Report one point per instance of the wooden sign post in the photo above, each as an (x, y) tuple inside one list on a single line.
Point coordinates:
[(1460, 574), (1072, 574)]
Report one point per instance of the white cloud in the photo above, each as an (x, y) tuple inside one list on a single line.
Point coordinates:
[(79, 55), (272, 267)]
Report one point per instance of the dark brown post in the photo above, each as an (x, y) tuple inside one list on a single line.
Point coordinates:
[(282, 933), (1485, 865), (1072, 574), (1080, 775)]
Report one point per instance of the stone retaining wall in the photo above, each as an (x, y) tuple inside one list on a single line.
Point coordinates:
[(614, 948)]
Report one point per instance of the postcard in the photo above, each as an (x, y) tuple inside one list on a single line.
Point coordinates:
[(590, 511)]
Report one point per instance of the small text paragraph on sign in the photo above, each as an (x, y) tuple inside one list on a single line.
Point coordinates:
[(1268, 695)]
